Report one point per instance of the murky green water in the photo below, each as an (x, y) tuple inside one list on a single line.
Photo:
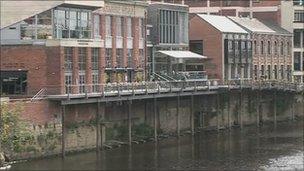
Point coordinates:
[(266, 149)]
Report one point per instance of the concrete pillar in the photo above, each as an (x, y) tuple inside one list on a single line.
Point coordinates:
[(275, 109), (228, 112), (258, 109), (217, 111), (155, 119), (98, 127), (177, 116), (241, 109), (192, 115), (130, 122), (103, 126), (63, 131)]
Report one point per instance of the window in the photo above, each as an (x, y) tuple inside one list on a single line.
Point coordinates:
[(82, 55), (197, 47), (262, 47), (268, 72), (297, 38), (68, 83), (96, 26), (13, 82), (297, 61), (95, 58), (268, 47), (141, 28), (72, 23), (288, 48), (298, 2), (119, 58), (68, 62), (299, 16), (275, 70), (81, 83), (108, 58), (282, 72), (263, 70), (255, 47), (129, 27), (142, 57), (108, 26), (130, 59), (282, 48), (119, 26), (95, 82), (173, 27), (243, 46), (255, 72), (275, 48)]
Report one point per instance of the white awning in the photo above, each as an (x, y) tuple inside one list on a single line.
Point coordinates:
[(183, 54)]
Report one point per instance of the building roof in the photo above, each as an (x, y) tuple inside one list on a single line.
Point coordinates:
[(222, 23), (278, 29), (16, 11), (182, 54), (252, 24)]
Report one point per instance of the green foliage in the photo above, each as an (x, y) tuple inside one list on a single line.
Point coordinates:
[(14, 132)]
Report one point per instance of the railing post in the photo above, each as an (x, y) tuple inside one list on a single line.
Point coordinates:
[(86, 91), (118, 89), (133, 91), (195, 86), (170, 84), (68, 89), (158, 87), (146, 88), (103, 90)]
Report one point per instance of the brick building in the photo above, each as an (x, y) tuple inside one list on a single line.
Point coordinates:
[(71, 43), (227, 45), (288, 14), (272, 56)]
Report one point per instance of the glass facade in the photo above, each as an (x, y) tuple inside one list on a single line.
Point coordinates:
[(173, 27), (72, 23)]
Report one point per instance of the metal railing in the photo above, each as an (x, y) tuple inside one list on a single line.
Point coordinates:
[(141, 88)]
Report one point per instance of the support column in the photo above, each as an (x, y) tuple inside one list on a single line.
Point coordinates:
[(130, 122), (98, 127), (192, 115), (241, 109), (293, 108), (103, 127), (228, 112), (258, 109), (155, 119), (275, 109), (177, 116), (63, 131), (217, 111), (114, 52), (101, 61)]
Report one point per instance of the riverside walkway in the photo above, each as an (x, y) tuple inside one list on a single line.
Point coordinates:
[(146, 90)]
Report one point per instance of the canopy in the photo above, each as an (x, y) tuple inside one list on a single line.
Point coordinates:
[(183, 54)]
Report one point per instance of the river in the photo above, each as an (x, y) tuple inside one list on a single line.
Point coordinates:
[(249, 149)]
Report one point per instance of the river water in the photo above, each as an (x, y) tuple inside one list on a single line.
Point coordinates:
[(249, 149)]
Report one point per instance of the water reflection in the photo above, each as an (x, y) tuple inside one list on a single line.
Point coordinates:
[(250, 149)]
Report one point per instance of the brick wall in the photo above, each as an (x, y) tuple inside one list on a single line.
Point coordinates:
[(212, 45), (41, 63)]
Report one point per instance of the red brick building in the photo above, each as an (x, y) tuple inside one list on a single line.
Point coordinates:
[(272, 54), (226, 44), (85, 45)]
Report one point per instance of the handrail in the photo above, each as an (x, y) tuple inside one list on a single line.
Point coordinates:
[(161, 77), (38, 95)]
